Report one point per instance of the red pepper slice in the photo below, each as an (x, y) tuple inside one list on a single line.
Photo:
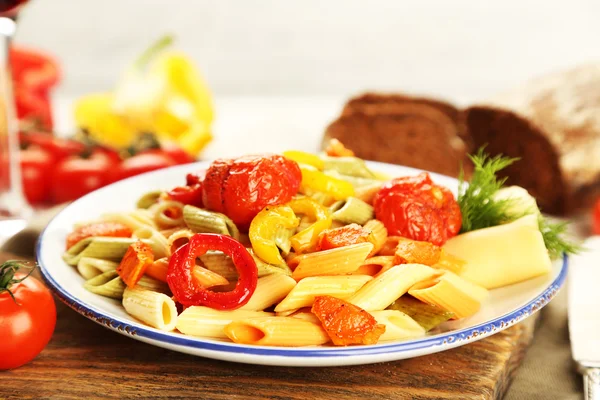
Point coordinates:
[(187, 194), (188, 292)]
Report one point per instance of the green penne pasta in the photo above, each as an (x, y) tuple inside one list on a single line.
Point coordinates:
[(426, 315), (199, 220), (154, 285), (221, 264), (89, 267), (162, 219), (351, 166), (268, 269), (282, 240), (352, 210), (108, 284), (106, 248), (356, 181), (148, 199), (155, 239)]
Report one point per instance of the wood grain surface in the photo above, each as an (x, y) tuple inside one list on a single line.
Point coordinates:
[(84, 360)]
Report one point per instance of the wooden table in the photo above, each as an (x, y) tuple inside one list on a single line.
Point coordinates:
[(85, 360)]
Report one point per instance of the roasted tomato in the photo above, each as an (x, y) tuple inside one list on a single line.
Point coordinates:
[(242, 187), (110, 229), (417, 208), (346, 323), (191, 193), (343, 236)]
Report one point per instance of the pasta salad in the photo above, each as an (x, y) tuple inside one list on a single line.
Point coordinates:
[(301, 249)]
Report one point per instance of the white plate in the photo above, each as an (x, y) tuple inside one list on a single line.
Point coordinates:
[(505, 306)]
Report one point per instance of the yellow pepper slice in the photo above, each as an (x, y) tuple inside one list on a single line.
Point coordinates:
[(265, 226), (306, 239), (302, 157), (319, 182)]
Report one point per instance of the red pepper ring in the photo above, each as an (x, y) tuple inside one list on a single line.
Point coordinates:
[(188, 292)]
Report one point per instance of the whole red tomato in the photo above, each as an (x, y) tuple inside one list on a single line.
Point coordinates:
[(75, 176), (596, 222), (28, 321), (242, 187), (416, 208), (36, 173), (139, 164), (59, 147), (172, 150)]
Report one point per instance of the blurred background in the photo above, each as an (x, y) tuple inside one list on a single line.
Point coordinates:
[(462, 50)]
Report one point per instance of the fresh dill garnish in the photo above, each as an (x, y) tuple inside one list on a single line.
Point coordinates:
[(475, 198), (480, 209)]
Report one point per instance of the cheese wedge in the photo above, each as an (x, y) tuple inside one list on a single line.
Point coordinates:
[(502, 255)]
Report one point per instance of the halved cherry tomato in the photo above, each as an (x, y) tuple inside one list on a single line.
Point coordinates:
[(110, 229), (36, 173), (242, 187), (75, 176), (28, 321), (139, 164), (417, 208)]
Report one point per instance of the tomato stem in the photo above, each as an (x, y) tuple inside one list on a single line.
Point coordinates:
[(7, 275)]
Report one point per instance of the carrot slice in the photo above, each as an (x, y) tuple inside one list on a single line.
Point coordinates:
[(112, 229), (416, 252), (335, 148), (135, 262), (343, 236), (346, 323)]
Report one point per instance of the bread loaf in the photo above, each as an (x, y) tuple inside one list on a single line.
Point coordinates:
[(415, 132)]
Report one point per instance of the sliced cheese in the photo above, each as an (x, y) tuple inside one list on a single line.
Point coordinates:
[(502, 255)]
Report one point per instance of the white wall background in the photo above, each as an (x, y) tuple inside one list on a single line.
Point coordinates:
[(460, 49)]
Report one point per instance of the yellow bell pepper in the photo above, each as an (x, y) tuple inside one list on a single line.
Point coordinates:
[(302, 157), (159, 93), (265, 226), (306, 240), (317, 181)]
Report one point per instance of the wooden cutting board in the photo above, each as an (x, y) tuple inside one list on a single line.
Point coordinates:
[(85, 360)]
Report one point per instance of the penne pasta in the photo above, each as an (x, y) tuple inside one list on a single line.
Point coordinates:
[(282, 240), (155, 239), (367, 192), (276, 331), (379, 235), (199, 220), (155, 309), (106, 248), (134, 219), (270, 289), (221, 264), (149, 199), (168, 214), (149, 283), (380, 292), (374, 266), (304, 293), (89, 267), (107, 284), (390, 245), (351, 210), (268, 269), (450, 263), (178, 239), (208, 278), (451, 293), (397, 325), (338, 261), (351, 166), (305, 315), (207, 322)]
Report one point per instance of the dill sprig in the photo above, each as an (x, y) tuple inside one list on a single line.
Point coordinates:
[(480, 210)]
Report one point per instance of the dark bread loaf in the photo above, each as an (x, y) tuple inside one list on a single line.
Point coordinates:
[(504, 132), (416, 132)]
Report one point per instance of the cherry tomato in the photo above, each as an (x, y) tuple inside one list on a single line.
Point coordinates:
[(242, 187), (596, 223), (75, 176), (36, 173), (416, 208), (26, 325), (58, 147), (139, 164)]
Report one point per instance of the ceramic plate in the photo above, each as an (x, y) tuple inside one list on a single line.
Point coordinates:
[(505, 306)]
